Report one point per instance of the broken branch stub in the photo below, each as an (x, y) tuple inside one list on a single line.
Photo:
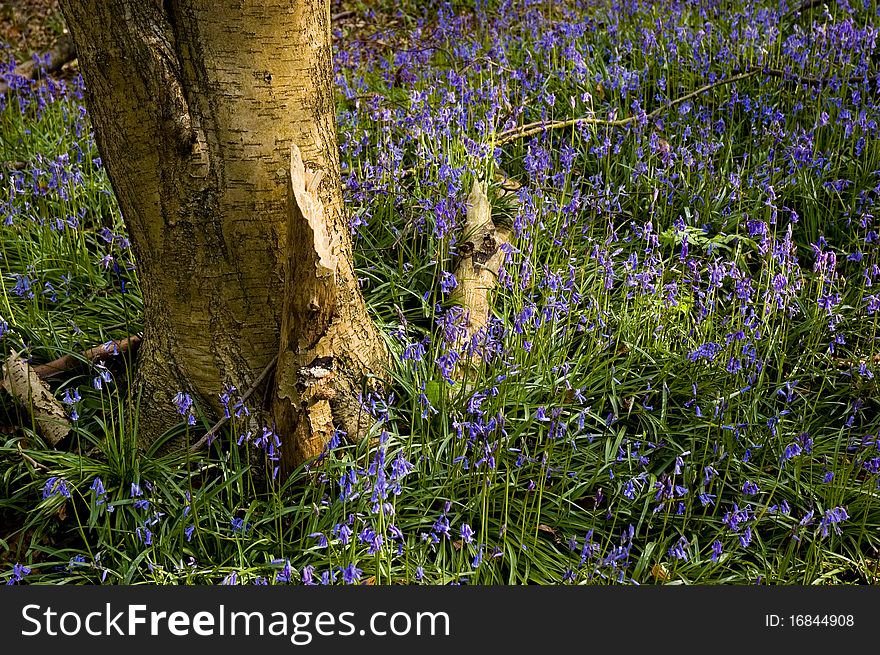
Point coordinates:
[(476, 274), (32, 395)]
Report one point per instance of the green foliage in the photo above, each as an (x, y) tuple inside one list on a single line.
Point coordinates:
[(662, 429)]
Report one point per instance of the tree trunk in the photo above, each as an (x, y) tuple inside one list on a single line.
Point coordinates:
[(202, 110)]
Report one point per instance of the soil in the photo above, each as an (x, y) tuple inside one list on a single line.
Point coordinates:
[(30, 26)]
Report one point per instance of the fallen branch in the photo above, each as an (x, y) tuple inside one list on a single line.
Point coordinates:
[(105, 350), (33, 396), (805, 6), (70, 362), (843, 363), (210, 434), (530, 129), (63, 52)]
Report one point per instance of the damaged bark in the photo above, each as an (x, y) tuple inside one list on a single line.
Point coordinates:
[(197, 106), (481, 258), (327, 342)]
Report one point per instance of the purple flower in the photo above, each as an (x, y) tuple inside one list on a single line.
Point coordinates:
[(321, 537), (832, 518), (351, 574), (447, 283), (184, 404), (19, 571), (307, 575), (791, 450), (716, 550), (55, 486), (679, 549), (100, 493), (285, 574), (238, 525), (144, 535)]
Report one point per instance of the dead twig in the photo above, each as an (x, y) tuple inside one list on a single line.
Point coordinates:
[(30, 460), (842, 363), (69, 362), (530, 129)]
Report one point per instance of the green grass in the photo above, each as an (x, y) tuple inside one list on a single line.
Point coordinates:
[(577, 453)]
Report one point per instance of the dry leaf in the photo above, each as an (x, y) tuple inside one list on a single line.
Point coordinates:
[(547, 529), (659, 572)]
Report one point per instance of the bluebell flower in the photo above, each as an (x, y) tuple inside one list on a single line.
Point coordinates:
[(100, 493), (478, 558), (791, 450), (184, 404), (679, 549), (285, 574), (19, 571), (832, 518), (351, 574), (238, 525), (55, 486), (706, 499), (307, 575), (343, 532), (144, 535)]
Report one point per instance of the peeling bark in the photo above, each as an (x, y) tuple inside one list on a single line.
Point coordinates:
[(325, 348), (481, 258), (196, 106)]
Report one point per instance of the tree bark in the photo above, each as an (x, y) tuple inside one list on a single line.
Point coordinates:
[(197, 106)]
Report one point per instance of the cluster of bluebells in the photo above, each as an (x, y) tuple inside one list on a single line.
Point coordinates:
[(635, 255), (690, 239), (597, 562), (56, 191)]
